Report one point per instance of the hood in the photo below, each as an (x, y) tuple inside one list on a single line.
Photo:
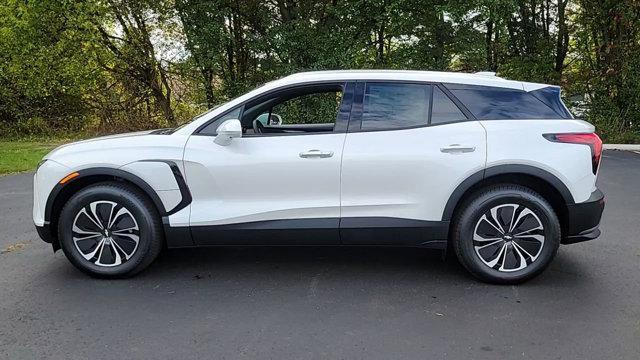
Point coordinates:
[(115, 136), (100, 138)]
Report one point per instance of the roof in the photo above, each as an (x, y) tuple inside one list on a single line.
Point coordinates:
[(482, 78)]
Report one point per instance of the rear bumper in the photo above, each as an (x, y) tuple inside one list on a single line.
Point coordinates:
[(584, 219)]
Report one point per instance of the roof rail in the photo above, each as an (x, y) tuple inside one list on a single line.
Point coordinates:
[(486, 73)]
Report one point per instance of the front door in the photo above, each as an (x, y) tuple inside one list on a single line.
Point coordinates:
[(280, 182)]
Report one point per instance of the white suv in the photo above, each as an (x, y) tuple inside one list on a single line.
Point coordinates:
[(497, 170)]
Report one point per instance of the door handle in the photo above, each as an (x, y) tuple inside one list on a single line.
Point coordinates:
[(457, 149), (316, 154)]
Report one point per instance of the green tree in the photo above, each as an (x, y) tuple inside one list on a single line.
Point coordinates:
[(126, 34), (608, 42), (46, 68), (115, 65)]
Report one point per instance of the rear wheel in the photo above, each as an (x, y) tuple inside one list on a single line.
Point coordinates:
[(110, 230), (506, 234)]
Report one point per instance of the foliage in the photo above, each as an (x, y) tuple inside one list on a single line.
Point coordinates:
[(315, 108), (609, 54), (46, 73), (117, 65)]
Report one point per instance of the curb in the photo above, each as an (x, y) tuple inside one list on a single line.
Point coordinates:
[(627, 147)]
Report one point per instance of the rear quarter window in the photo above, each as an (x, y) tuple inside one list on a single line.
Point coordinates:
[(551, 96), (493, 103)]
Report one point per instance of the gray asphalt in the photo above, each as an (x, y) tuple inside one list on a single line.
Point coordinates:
[(316, 303)]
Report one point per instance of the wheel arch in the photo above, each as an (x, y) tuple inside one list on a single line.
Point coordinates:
[(539, 180), (61, 193)]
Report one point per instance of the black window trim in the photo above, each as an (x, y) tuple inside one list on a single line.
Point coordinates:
[(355, 125), (342, 117)]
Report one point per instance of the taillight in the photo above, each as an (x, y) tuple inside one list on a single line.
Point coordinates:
[(591, 139)]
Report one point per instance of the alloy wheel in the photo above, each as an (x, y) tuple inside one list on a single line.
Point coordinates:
[(105, 233), (508, 237)]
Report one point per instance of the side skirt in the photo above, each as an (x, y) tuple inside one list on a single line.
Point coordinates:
[(361, 231), (390, 231)]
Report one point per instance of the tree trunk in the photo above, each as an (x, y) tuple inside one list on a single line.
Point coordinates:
[(562, 42), (207, 79), (441, 63), (489, 41), (380, 44)]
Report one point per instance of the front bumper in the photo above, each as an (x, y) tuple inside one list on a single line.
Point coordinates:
[(44, 232), (583, 219)]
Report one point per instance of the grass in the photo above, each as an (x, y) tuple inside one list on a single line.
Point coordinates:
[(23, 155)]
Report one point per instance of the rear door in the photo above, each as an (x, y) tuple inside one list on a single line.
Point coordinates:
[(409, 145)]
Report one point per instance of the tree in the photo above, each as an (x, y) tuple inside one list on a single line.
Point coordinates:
[(46, 71), (107, 64), (202, 21), (126, 33), (609, 48)]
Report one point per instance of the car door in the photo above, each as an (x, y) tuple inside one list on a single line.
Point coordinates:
[(275, 188), (408, 147)]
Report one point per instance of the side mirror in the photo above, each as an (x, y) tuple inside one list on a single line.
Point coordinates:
[(228, 130), (275, 119)]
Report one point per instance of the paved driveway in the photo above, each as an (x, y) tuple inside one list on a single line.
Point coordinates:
[(324, 302)]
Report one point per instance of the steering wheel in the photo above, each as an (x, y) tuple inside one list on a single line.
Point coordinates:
[(257, 127)]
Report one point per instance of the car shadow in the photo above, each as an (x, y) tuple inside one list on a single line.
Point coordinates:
[(208, 260), (182, 268)]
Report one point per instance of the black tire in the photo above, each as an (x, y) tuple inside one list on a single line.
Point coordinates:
[(472, 229), (138, 219)]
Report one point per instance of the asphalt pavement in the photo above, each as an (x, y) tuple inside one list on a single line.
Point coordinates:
[(324, 303)]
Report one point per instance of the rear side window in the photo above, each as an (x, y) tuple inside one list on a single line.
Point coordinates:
[(395, 106), (551, 96), (443, 109), (492, 103)]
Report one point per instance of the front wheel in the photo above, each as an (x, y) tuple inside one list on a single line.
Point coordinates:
[(506, 234), (110, 230)]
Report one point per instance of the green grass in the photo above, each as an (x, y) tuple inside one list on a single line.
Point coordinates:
[(18, 156)]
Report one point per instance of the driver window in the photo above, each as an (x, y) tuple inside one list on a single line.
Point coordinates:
[(315, 112)]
